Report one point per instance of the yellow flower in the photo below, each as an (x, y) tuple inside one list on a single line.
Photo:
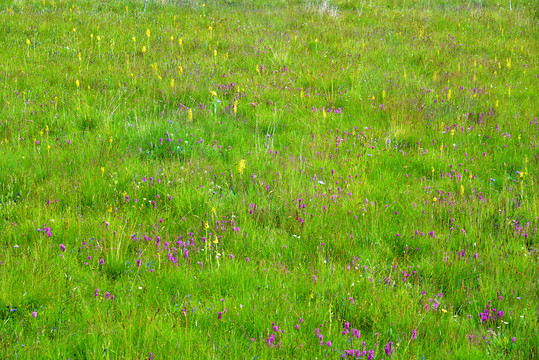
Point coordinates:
[(215, 52), (434, 199), (210, 28), (213, 93), (98, 38), (180, 41), (110, 139), (180, 70), (172, 38), (172, 83), (134, 39), (77, 83), (74, 30), (144, 49), (102, 170), (190, 115), (241, 166), (91, 36), (27, 41), (148, 32)]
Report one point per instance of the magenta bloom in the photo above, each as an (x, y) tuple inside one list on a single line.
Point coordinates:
[(102, 262), (62, 247), (34, 314)]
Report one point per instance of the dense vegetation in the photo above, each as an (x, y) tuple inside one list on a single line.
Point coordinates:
[(288, 179)]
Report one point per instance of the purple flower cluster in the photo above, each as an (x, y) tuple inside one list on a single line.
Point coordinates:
[(490, 314), (346, 331), (270, 341), (46, 230)]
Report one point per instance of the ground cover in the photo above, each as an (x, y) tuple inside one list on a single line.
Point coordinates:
[(246, 179)]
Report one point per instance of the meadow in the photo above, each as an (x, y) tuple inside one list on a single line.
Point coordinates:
[(242, 179)]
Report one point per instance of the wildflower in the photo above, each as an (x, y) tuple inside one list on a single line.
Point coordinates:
[(34, 314), (96, 293), (62, 247), (329, 344), (102, 262), (241, 166), (389, 348), (148, 33), (190, 115)]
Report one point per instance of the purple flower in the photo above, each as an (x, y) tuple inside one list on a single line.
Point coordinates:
[(328, 343), (96, 292), (513, 339), (219, 315), (34, 314), (389, 348), (371, 355), (102, 262), (107, 295), (138, 262), (414, 334), (62, 247)]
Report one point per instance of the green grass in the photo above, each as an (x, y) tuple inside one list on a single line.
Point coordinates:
[(232, 179)]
